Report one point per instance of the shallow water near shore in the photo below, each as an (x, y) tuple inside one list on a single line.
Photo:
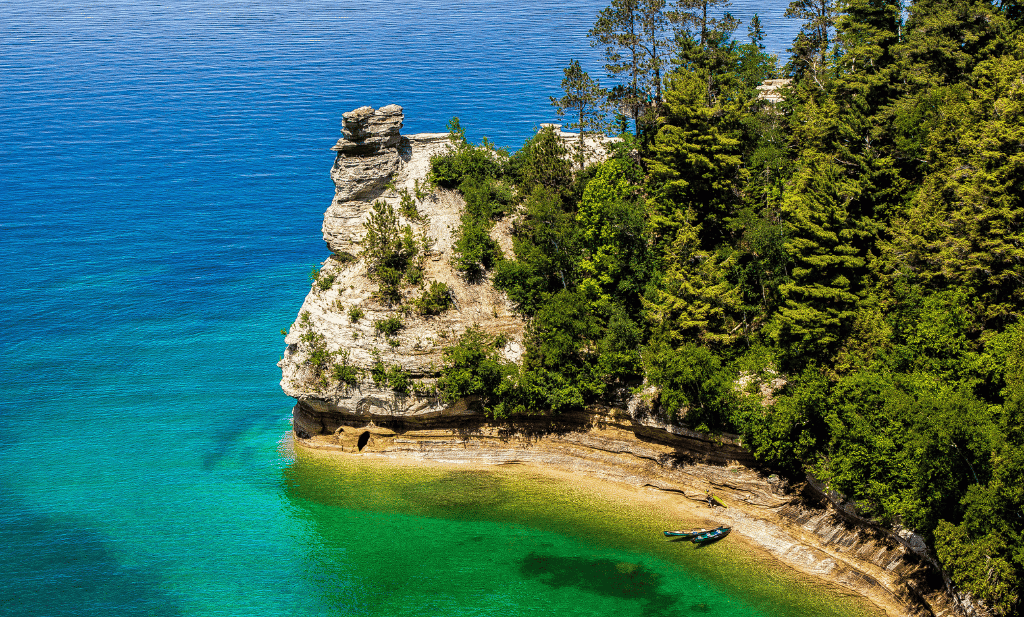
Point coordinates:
[(514, 541)]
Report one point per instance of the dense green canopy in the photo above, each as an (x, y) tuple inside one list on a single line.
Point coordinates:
[(856, 250)]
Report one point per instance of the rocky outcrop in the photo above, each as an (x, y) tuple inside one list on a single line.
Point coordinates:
[(621, 441), (368, 157), (375, 162)]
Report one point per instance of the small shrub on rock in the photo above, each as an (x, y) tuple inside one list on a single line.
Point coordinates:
[(388, 327), (435, 300), (475, 250)]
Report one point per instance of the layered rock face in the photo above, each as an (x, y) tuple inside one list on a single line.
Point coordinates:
[(375, 162), (367, 159)]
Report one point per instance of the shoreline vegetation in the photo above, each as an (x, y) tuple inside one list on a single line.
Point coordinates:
[(830, 267)]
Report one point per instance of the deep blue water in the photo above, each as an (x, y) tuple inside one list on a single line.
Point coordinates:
[(163, 176)]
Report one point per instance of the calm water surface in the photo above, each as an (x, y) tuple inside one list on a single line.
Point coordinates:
[(163, 177)]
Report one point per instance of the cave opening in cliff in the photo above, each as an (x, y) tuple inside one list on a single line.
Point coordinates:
[(363, 440)]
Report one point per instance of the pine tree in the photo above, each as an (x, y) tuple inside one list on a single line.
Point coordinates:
[(820, 299), (697, 19), (946, 39), (695, 160), (810, 51), (694, 300), (584, 97), (636, 44), (965, 225)]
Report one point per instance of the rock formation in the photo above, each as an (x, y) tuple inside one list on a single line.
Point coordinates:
[(367, 159), (620, 441), (374, 162)]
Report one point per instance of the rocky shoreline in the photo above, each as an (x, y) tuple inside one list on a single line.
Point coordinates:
[(794, 524), (623, 442)]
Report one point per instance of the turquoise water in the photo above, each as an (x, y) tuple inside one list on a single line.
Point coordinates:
[(163, 177), (509, 541)]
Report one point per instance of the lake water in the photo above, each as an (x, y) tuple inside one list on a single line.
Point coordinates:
[(163, 177)]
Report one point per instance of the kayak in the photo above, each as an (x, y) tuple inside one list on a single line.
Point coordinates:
[(714, 534), (686, 534)]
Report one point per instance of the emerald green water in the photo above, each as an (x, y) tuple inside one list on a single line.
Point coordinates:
[(403, 540)]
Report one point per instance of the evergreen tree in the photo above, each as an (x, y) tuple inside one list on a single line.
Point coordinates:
[(694, 300), (965, 225), (584, 98), (636, 44), (695, 160), (614, 260), (810, 51), (697, 19), (820, 299), (946, 39)]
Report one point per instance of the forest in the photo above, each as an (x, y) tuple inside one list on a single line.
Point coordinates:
[(835, 274)]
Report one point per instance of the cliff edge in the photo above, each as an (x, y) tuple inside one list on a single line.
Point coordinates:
[(339, 319), (361, 388)]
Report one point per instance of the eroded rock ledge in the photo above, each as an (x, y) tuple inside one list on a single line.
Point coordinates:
[(621, 442), (793, 523)]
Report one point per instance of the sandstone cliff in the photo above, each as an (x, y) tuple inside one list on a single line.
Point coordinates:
[(621, 441), (374, 162)]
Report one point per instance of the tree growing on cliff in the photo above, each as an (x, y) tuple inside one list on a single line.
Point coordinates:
[(584, 100), (692, 17), (390, 252), (635, 37)]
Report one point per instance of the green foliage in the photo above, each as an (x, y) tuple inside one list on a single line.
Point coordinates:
[(811, 47), (434, 300), (907, 448), (613, 234), (449, 170), (858, 246), (487, 198), (382, 245), (344, 373), (694, 299), (321, 280), (389, 286), (584, 99), (391, 253), (695, 161), (473, 369), (463, 161), (393, 376), (407, 206), (355, 313), (399, 380), (788, 435), (547, 252), (695, 385), (820, 299), (561, 368), (543, 161), (475, 251), (389, 326)]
